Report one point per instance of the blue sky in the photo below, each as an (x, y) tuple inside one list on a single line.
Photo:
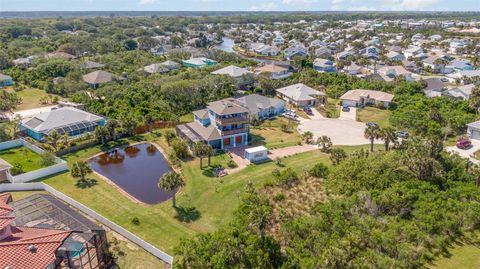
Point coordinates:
[(237, 5)]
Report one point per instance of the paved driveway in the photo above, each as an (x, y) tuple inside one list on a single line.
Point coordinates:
[(342, 131), (467, 153), (350, 115)]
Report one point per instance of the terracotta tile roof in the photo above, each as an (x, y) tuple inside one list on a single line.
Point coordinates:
[(15, 247)]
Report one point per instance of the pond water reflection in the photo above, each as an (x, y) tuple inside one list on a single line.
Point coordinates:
[(136, 169)]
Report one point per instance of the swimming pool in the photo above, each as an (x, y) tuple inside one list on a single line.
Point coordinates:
[(136, 170)]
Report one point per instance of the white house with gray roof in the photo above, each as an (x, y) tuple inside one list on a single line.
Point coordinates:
[(65, 120), (300, 95)]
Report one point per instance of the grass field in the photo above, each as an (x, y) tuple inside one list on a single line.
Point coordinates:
[(270, 134), (371, 114), (28, 159), (30, 98), (463, 256)]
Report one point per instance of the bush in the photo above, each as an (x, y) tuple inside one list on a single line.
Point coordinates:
[(17, 169), (286, 177), (319, 170), (180, 148), (232, 164), (48, 159), (135, 221), (170, 136), (279, 197)]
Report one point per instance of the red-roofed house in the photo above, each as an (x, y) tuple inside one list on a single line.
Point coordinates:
[(40, 246)]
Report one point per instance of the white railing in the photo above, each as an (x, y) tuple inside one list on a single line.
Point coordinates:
[(86, 210)]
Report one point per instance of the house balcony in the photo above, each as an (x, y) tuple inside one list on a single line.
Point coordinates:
[(232, 120), (234, 131)]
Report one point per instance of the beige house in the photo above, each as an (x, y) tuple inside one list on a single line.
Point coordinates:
[(360, 98), (301, 95)]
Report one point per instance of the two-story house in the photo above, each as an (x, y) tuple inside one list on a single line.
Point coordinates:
[(223, 124), (324, 65)]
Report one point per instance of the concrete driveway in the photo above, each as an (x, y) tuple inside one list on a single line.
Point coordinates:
[(342, 131), (467, 153), (350, 115)]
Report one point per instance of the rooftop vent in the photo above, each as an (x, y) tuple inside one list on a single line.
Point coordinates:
[(32, 248)]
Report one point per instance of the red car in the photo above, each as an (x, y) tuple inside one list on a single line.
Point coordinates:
[(463, 143)]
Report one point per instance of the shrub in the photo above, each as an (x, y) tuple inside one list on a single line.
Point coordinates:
[(135, 221), (319, 170), (180, 148), (279, 197), (170, 136), (232, 164), (48, 159), (17, 169), (286, 177)]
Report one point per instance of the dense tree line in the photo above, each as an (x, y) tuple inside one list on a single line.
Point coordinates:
[(398, 209)]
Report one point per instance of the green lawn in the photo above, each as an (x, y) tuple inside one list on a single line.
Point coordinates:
[(214, 200), (270, 134), (30, 98), (29, 160), (372, 114), (463, 256)]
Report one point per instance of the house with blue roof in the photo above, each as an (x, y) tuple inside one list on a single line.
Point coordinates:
[(5, 80)]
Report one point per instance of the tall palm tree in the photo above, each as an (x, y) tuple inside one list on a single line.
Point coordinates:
[(209, 150), (170, 182), (388, 136), (199, 149), (372, 133)]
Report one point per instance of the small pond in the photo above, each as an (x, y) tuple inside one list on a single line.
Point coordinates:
[(136, 169)]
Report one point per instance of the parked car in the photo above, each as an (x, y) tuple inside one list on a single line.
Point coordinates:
[(308, 110), (464, 143), (345, 108), (372, 124), (402, 134)]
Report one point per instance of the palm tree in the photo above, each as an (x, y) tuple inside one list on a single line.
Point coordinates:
[(111, 127), (325, 143), (337, 155), (372, 133), (388, 136), (80, 170), (52, 138), (209, 151), (101, 134), (199, 149), (307, 136), (170, 182)]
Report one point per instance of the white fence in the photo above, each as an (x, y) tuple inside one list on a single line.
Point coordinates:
[(60, 165), (86, 210)]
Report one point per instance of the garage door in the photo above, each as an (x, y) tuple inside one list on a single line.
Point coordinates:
[(475, 134), (349, 103)]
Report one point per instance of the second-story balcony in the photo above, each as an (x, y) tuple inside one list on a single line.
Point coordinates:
[(232, 120), (234, 131)]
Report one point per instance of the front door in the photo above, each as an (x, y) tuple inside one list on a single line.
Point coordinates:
[(226, 142), (239, 140)]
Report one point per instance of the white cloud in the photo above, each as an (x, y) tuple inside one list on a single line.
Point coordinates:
[(146, 2), (417, 4), (355, 5), (299, 2), (263, 7)]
